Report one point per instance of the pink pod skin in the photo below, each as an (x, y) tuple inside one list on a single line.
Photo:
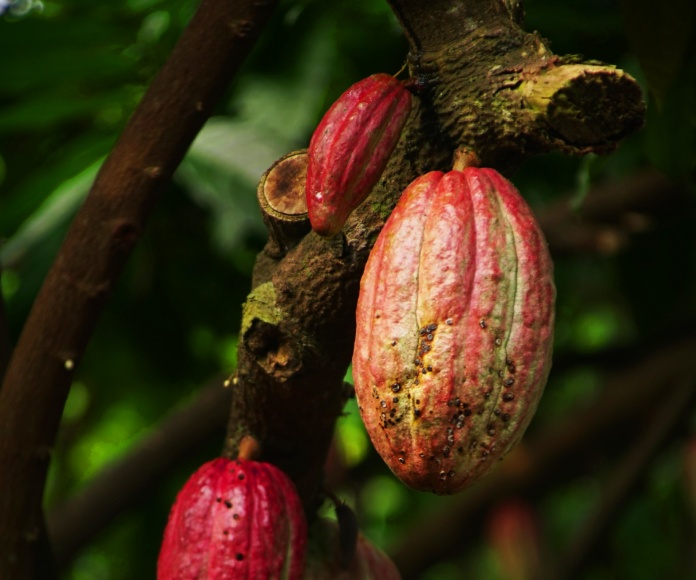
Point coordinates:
[(454, 329), (351, 147), (235, 519)]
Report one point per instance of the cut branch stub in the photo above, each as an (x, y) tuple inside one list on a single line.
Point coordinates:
[(503, 93), (586, 106), (281, 194)]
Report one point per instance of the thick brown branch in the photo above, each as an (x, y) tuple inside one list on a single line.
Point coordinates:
[(90, 260)]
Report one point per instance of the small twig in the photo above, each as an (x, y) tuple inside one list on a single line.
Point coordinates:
[(626, 476), (117, 487)]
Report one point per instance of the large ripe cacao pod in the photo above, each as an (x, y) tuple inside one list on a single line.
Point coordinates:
[(235, 519), (454, 328), (350, 148), (325, 557)]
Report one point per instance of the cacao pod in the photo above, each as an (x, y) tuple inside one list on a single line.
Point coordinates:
[(235, 519), (325, 557), (350, 149), (454, 328)]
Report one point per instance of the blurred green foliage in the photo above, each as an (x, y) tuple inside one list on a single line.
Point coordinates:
[(71, 73)]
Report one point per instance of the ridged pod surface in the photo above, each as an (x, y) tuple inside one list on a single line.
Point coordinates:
[(454, 328), (324, 557), (235, 519), (350, 149)]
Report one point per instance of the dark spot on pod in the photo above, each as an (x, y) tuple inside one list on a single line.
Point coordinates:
[(491, 431), (416, 382), (225, 532), (392, 412), (443, 475), (508, 396), (239, 557), (421, 455), (509, 382), (393, 343), (424, 371), (446, 451), (417, 401), (505, 417), (512, 368), (487, 395), (218, 499), (500, 374), (449, 322), (417, 361), (498, 342), (459, 425), (467, 412), (383, 404), (429, 337), (377, 315), (459, 402), (460, 449), (240, 476), (228, 504), (451, 473), (431, 327), (417, 412), (402, 460), (425, 348), (473, 444), (430, 368), (395, 400), (235, 516), (396, 387), (484, 454), (422, 331), (482, 323)]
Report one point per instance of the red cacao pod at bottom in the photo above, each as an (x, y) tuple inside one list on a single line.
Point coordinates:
[(454, 328), (235, 519), (325, 557), (350, 149)]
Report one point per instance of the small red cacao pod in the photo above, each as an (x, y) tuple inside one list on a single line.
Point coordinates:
[(235, 519), (325, 558), (454, 328), (350, 149)]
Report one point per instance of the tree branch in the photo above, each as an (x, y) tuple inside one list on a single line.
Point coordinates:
[(179, 100)]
